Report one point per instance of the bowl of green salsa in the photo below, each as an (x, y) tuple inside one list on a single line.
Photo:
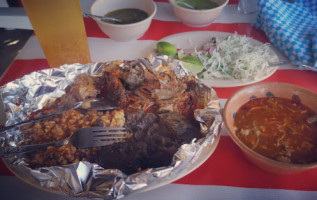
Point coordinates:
[(198, 13), (133, 18)]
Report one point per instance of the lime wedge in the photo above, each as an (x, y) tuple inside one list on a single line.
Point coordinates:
[(166, 48), (192, 63)]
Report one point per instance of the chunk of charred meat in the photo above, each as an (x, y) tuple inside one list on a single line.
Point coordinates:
[(175, 95), (156, 140), (170, 87), (145, 94), (184, 128), (112, 89), (83, 88), (133, 75), (114, 68), (186, 104), (136, 103)]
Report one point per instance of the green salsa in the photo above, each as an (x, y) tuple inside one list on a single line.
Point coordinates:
[(198, 4), (126, 16)]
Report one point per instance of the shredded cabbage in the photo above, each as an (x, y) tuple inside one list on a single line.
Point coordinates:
[(235, 58)]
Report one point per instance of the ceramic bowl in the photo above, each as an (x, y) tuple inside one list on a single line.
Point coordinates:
[(123, 32), (242, 96), (198, 18)]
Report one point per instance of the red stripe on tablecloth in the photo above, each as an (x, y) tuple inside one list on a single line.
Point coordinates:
[(4, 171), (92, 28), (230, 1), (20, 68), (303, 78), (160, 29), (228, 167)]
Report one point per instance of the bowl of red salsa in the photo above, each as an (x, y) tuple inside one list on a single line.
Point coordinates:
[(275, 126)]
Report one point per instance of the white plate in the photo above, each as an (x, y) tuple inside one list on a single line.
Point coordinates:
[(190, 40)]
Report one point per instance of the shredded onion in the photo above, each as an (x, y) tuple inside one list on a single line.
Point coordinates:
[(235, 58)]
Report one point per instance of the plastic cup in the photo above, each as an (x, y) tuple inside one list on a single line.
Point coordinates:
[(248, 6), (60, 29)]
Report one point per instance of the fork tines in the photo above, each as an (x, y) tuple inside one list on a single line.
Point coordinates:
[(108, 133)]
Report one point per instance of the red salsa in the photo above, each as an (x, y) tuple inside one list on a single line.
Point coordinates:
[(277, 128)]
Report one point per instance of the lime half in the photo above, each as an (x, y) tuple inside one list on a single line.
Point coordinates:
[(166, 48), (192, 63)]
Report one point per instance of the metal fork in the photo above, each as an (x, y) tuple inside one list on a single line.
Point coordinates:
[(286, 62), (82, 138), (95, 104)]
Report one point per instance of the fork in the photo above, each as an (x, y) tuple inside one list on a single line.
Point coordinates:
[(81, 138), (94, 104), (286, 62)]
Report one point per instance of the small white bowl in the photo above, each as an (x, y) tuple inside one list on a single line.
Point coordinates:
[(124, 32), (198, 18)]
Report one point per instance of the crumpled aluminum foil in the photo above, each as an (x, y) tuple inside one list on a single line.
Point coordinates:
[(38, 89)]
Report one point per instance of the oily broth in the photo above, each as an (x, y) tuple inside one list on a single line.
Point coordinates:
[(126, 15), (278, 129), (199, 4)]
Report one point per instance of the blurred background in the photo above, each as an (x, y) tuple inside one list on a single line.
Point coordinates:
[(11, 39), (16, 29)]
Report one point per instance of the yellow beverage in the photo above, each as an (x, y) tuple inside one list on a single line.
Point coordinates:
[(59, 27)]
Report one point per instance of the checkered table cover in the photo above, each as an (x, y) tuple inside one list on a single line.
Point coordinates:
[(292, 27)]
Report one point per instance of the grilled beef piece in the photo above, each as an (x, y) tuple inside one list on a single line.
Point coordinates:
[(156, 139)]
